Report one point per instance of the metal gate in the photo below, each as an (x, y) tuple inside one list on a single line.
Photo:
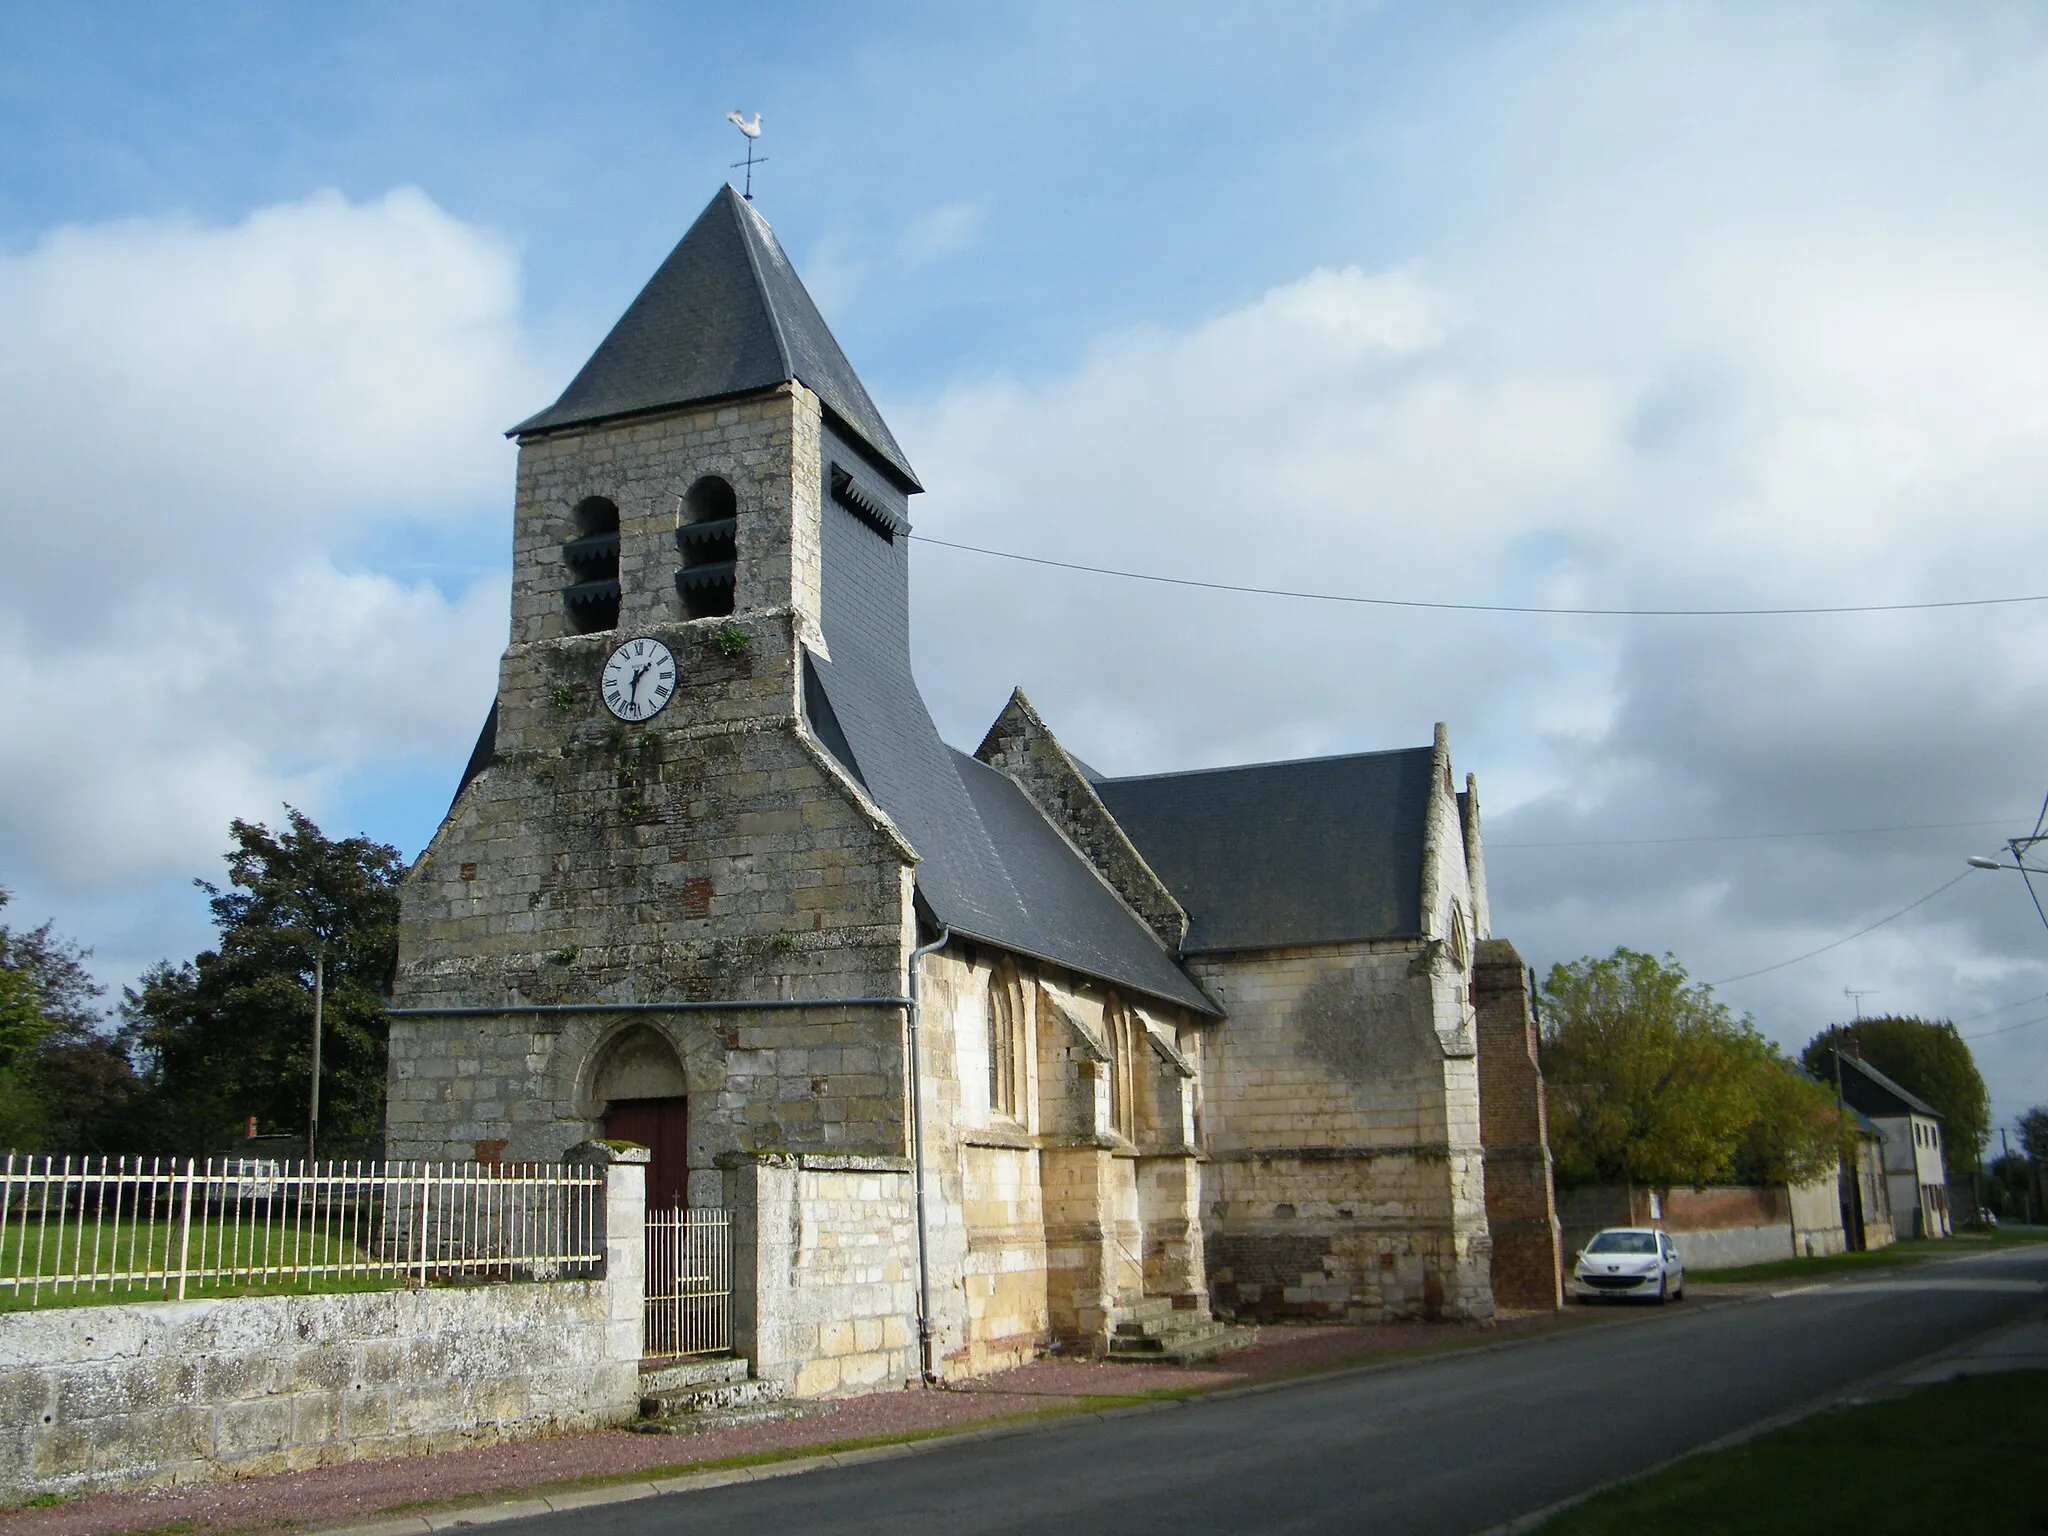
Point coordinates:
[(689, 1284)]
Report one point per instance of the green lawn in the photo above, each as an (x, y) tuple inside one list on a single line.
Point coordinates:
[(1912, 1251), (133, 1247), (1965, 1456)]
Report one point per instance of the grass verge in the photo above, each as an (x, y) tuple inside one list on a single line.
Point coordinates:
[(1910, 1251), (1961, 1456)]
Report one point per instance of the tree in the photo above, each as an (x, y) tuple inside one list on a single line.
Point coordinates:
[(1651, 1081), (230, 1034), (2034, 1133), (1928, 1058), (50, 1030)]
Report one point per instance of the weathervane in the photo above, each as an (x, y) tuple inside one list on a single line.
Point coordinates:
[(752, 131)]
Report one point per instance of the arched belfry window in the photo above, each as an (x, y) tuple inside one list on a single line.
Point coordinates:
[(1125, 1031), (707, 525), (592, 596), (1006, 1043)]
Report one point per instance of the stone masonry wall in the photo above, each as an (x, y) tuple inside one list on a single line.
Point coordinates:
[(715, 852), (1345, 1172), (825, 1297), (1043, 1220), (172, 1392), (99, 1397), (1020, 745)]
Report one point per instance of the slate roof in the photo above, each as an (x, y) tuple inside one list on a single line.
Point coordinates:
[(992, 867), (1870, 1094), (1324, 850), (724, 315)]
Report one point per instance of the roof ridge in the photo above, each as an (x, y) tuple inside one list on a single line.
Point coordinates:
[(1278, 762), (1912, 1099), (747, 220)]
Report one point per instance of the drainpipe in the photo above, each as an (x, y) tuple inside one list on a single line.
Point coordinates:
[(924, 1266)]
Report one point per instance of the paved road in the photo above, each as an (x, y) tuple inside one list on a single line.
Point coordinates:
[(1444, 1446)]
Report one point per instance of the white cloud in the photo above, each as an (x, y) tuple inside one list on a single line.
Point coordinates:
[(205, 425), (941, 233), (1730, 334)]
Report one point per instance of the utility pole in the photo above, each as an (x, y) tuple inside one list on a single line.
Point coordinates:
[(319, 1003)]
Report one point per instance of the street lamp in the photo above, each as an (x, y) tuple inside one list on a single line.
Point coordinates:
[(2018, 848)]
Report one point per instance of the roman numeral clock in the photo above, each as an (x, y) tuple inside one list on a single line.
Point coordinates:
[(639, 678)]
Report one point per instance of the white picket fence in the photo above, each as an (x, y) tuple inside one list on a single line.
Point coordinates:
[(148, 1228)]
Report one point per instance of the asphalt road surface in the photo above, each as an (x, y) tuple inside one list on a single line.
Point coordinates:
[(1455, 1444)]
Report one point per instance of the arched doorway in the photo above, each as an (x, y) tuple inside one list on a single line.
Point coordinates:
[(639, 1084)]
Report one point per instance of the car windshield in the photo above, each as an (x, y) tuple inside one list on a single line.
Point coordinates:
[(1623, 1242)]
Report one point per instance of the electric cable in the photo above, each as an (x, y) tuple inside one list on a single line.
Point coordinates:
[(1444, 607), (1745, 837), (1838, 943), (2007, 1029)]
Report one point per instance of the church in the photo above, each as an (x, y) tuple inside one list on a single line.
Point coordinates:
[(985, 1052)]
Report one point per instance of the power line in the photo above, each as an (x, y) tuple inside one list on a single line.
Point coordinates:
[(2004, 1008), (1525, 608), (2009, 1028), (1745, 837), (1838, 943)]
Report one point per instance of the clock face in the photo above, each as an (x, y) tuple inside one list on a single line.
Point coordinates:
[(639, 678)]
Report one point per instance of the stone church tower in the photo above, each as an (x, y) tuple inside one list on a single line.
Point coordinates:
[(709, 826)]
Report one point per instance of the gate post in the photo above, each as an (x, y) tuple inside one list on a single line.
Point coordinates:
[(621, 1215)]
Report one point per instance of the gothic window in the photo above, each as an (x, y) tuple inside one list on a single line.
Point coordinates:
[(1124, 1030), (707, 524), (1461, 938), (1005, 1044), (592, 596)]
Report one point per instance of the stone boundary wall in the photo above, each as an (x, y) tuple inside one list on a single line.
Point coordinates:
[(147, 1393), (825, 1270), (173, 1392)]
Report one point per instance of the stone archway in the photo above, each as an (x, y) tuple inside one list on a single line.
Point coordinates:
[(640, 1092)]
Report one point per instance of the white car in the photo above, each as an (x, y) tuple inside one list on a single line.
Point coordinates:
[(1629, 1261)]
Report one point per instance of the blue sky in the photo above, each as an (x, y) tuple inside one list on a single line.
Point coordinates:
[(1577, 304)]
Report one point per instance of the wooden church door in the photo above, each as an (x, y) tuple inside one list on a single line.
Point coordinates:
[(661, 1126)]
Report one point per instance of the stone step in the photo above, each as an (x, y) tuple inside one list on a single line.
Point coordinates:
[(709, 1419), (681, 1375), (711, 1397), (1152, 1337), (1153, 1327), (1182, 1349), (1143, 1310)]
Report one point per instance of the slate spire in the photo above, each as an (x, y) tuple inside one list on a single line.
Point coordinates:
[(724, 315)]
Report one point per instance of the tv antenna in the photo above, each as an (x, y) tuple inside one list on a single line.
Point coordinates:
[(1856, 996), (753, 131)]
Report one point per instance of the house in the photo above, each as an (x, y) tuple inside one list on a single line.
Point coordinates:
[(1865, 1191), (1916, 1184), (981, 1050)]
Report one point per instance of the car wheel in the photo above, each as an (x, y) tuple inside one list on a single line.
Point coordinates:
[(1663, 1289)]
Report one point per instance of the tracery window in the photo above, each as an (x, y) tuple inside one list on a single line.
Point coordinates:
[(1125, 1032), (1005, 1043)]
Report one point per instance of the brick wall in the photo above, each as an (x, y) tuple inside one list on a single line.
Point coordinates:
[(1521, 1203)]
